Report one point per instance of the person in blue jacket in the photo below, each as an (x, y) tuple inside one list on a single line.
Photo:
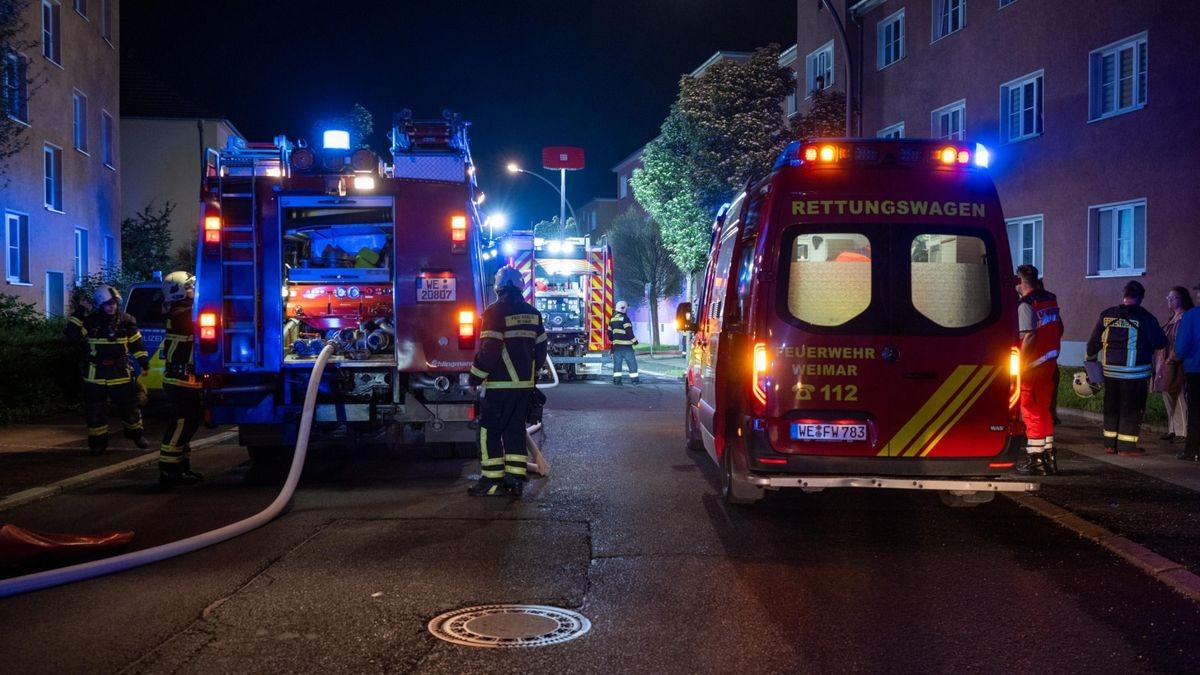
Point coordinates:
[(1187, 347)]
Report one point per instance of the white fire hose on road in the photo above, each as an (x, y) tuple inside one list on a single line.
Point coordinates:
[(537, 461), (65, 575)]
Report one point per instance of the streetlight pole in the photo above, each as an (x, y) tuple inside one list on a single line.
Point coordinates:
[(837, 20), (562, 192)]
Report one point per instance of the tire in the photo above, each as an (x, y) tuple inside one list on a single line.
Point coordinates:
[(690, 432), (735, 490), (965, 501)]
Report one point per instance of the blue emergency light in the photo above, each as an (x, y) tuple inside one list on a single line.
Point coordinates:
[(336, 139)]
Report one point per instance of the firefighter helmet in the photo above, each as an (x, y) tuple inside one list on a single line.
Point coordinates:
[(105, 294), (622, 306), (1084, 387), (508, 278), (177, 286)]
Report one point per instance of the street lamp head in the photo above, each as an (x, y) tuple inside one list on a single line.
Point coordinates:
[(513, 167)]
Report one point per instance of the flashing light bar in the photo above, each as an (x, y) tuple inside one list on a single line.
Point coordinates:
[(336, 139), (212, 229), (826, 153)]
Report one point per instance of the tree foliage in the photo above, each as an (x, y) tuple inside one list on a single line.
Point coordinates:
[(146, 241), (13, 136), (724, 130), (552, 229), (357, 121), (642, 265), (826, 117)]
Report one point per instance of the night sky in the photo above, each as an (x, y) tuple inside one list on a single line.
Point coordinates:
[(596, 74)]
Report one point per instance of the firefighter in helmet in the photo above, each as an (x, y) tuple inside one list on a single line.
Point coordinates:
[(512, 349), (112, 340), (620, 331), (180, 383)]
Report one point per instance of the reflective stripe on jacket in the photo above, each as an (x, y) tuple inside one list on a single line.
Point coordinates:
[(620, 330), (177, 347), (111, 342), (1047, 327), (512, 346), (1124, 340)]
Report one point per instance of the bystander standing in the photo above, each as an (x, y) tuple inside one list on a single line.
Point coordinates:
[(1168, 370), (1187, 348)]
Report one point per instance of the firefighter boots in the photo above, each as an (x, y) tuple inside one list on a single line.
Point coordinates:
[(177, 473), (138, 438), (1031, 464), (515, 486), (1050, 462), (616, 380), (488, 487)]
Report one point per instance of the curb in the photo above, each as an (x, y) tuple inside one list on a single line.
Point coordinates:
[(38, 493), (1167, 571)]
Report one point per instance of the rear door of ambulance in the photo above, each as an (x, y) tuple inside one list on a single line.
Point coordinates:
[(897, 332)]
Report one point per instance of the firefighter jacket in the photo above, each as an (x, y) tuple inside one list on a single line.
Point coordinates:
[(111, 341), (177, 352), (1038, 313), (75, 334), (620, 330), (512, 345), (1125, 339)]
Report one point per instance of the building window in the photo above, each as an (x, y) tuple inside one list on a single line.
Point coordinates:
[(1118, 77), (889, 38), (948, 16), (1006, 3), (790, 104), (950, 121), (51, 31), (81, 254), (16, 87), (80, 121), (16, 237), (1117, 239), (108, 253), (81, 8), (894, 131), (1025, 241), (623, 186), (106, 20), (53, 174), (106, 139), (818, 68), (1021, 108)]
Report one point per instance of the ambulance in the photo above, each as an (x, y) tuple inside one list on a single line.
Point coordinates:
[(856, 327)]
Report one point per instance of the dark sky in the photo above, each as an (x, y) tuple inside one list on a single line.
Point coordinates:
[(527, 74)]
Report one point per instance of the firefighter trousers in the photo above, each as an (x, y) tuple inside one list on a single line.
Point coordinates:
[(95, 410), (185, 420), (502, 414), (624, 354), (1124, 401)]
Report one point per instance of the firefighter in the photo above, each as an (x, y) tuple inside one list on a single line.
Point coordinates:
[(512, 349), (180, 383), (620, 331), (1041, 331), (111, 338)]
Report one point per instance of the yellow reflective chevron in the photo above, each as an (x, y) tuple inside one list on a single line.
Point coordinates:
[(948, 404), (984, 380), (939, 398)]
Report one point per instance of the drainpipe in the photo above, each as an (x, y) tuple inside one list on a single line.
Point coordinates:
[(837, 21)]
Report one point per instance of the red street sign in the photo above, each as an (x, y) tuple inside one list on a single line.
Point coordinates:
[(562, 157)]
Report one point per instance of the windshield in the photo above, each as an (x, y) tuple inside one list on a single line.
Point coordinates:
[(146, 306)]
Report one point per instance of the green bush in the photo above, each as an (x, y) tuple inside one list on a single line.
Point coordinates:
[(39, 372), (1067, 398)]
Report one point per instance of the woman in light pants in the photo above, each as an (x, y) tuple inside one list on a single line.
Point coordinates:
[(1168, 368)]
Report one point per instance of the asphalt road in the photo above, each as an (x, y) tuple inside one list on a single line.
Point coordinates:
[(628, 530)]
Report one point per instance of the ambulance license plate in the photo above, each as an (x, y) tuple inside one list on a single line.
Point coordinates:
[(828, 432), (436, 289)]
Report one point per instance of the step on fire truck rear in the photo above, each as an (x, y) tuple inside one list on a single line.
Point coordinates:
[(303, 246)]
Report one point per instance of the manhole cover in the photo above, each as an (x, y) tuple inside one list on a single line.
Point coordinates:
[(509, 626)]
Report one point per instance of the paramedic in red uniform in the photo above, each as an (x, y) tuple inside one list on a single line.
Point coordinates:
[(512, 349), (1041, 331)]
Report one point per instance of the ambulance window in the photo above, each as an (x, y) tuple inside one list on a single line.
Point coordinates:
[(829, 277), (950, 281)]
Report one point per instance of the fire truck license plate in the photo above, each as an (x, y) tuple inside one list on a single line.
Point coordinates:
[(436, 289), (829, 432)]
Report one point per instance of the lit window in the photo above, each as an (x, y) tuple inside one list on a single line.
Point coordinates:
[(16, 87), (51, 30), (1118, 77), (1117, 239), (80, 120), (1025, 241), (894, 131), (53, 177), (889, 38), (1021, 108), (948, 16), (949, 122), (16, 234), (106, 139), (818, 68)]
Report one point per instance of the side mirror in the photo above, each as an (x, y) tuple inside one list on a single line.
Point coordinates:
[(685, 321)]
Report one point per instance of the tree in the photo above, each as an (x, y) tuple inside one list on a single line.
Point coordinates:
[(724, 130), (550, 229), (13, 137), (642, 265), (146, 241), (826, 117)]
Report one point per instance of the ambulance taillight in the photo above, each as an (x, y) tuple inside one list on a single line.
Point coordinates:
[(1014, 374), (466, 329), (758, 381)]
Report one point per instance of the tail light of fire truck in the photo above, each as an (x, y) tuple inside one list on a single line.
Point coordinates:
[(208, 331), (758, 380), (212, 229), (466, 329), (458, 234)]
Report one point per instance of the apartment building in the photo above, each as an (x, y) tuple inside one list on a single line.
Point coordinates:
[(1089, 110), (61, 202)]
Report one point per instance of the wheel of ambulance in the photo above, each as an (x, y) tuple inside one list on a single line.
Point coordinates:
[(965, 501), (694, 442), (734, 489)]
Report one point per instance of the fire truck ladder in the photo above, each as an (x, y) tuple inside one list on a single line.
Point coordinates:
[(238, 173)]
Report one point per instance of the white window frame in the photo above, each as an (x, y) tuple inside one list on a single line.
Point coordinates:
[(81, 9), (935, 126), (52, 31), (1003, 4), (52, 177), (1017, 244), (20, 244), (106, 140), (1097, 234), (891, 131), (896, 23), (16, 83), (81, 254), (1138, 77), (623, 186), (1016, 89), (79, 126), (108, 252), (790, 105), (946, 9), (106, 21), (821, 57)]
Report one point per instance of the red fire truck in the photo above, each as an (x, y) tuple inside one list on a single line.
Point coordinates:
[(856, 327), (303, 246)]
